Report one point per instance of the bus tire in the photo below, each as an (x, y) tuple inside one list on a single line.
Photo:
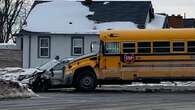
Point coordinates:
[(86, 81)]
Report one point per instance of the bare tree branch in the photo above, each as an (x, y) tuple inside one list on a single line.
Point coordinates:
[(10, 11)]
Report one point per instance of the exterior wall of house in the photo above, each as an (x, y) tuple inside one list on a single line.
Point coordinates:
[(19, 42), (25, 51), (60, 45)]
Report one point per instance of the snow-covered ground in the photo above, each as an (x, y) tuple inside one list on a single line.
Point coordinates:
[(162, 87), (10, 87)]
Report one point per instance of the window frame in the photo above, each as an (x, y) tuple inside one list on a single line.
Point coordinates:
[(153, 47), (72, 46), (187, 47), (48, 47), (172, 47), (135, 48)]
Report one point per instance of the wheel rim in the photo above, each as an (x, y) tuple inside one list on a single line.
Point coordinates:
[(87, 81)]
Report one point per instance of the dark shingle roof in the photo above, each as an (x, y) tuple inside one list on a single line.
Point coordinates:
[(134, 11), (189, 23)]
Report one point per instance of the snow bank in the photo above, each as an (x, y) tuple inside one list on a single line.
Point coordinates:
[(162, 87), (12, 89)]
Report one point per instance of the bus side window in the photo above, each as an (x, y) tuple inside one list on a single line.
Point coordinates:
[(178, 46), (191, 46), (129, 48), (161, 47), (144, 47)]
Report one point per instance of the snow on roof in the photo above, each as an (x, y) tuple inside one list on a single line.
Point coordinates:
[(67, 17), (156, 23), (59, 17)]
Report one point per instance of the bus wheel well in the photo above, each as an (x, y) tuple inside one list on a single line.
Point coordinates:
[(77, 73)]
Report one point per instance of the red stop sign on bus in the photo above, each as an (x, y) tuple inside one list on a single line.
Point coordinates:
[(129, 58)]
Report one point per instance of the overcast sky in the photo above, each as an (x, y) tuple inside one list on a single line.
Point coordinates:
[(175, 7), (171, 6), (167, 6)]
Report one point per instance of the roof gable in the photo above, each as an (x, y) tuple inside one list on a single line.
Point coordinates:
[(134, 11)]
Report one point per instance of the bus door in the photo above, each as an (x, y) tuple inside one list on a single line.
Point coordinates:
[(110, 61)]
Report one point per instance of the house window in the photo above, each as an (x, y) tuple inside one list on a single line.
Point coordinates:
[(44, 47), (77, 46)]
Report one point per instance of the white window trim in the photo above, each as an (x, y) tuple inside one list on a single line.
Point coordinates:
[(48, 47), (73, 46)]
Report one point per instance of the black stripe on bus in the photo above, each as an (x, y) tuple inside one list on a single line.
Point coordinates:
[(170, 60), (156, 54), (162, 65)]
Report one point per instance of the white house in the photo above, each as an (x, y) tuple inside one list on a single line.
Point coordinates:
[(71, 28)]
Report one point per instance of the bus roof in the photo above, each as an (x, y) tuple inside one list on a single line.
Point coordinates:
[(147, 35)]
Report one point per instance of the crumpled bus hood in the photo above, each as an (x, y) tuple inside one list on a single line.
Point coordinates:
[(83, 56)]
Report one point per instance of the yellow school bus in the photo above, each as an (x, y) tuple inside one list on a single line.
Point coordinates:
[(126, 56)]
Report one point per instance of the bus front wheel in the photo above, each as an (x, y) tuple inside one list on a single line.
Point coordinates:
[(86, 81)]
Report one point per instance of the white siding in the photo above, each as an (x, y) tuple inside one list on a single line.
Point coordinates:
[(18, 42), (60, 46), (26, 52)]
